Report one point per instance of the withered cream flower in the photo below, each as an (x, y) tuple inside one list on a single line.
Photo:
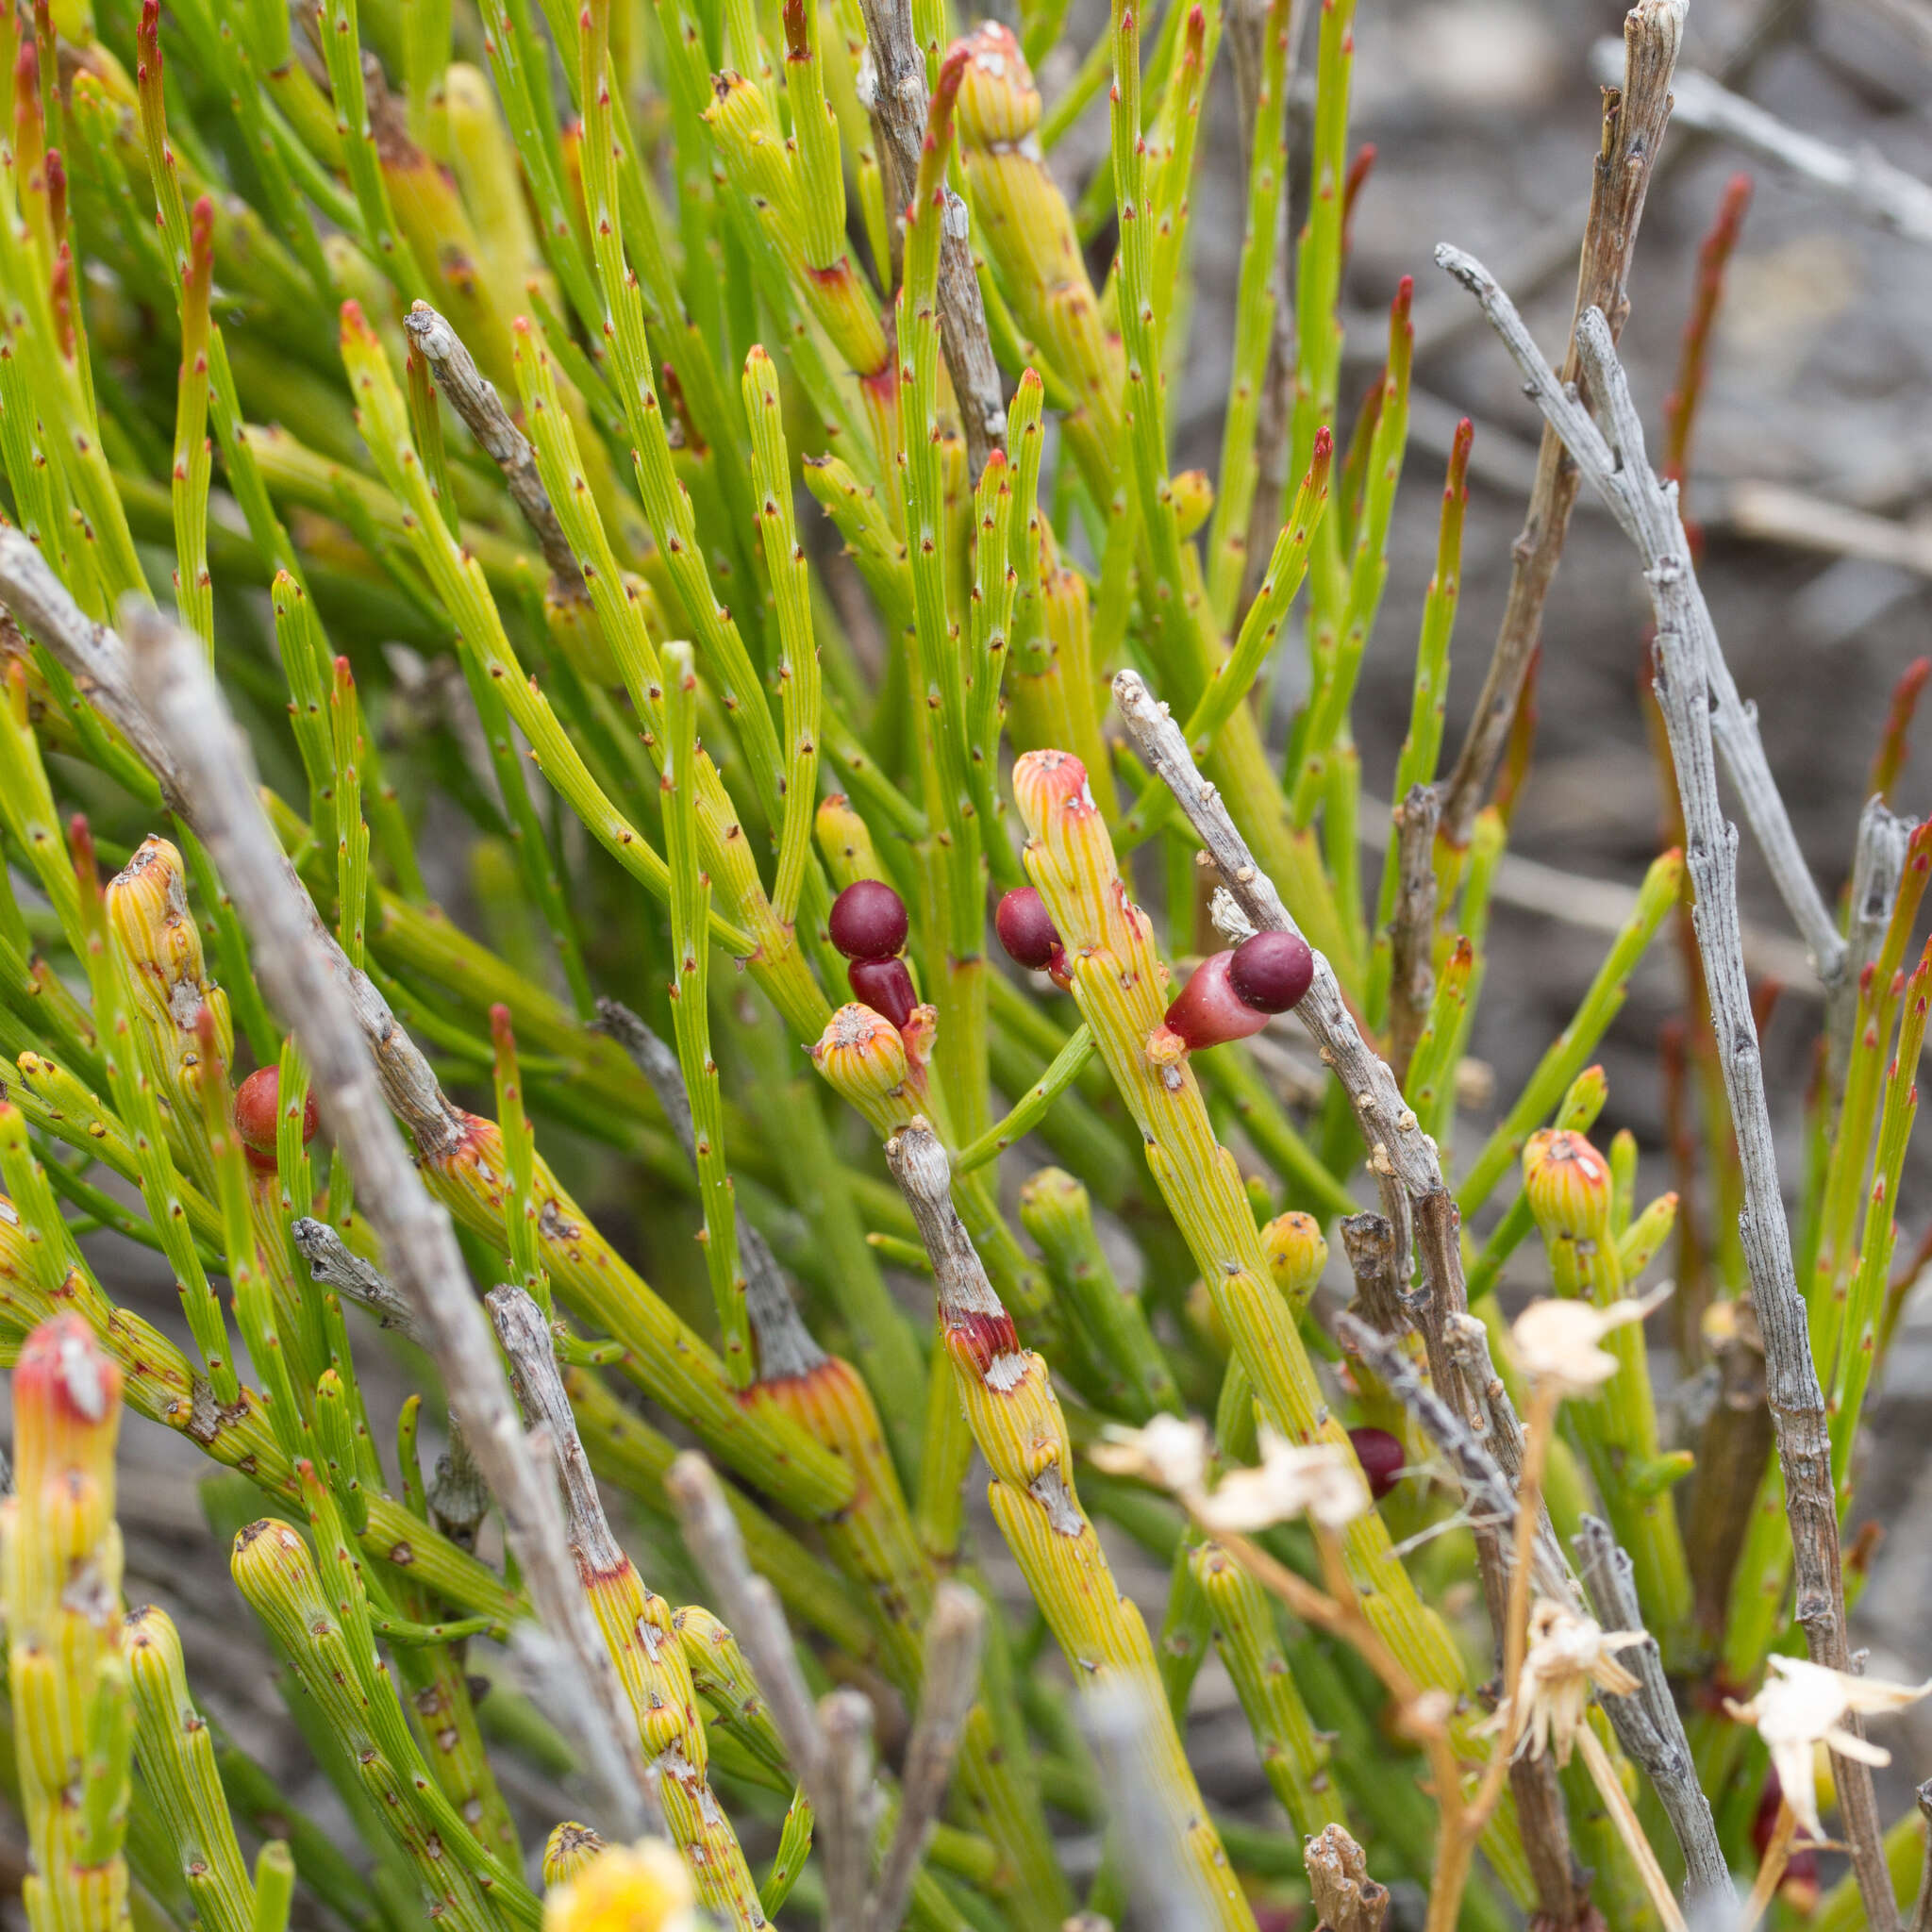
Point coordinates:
[(1559, 1342), (1802, 1705), (1567, 1655), (1320, 1481), (1170, 1451)]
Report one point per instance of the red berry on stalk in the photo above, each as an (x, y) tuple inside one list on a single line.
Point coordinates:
[(1381, 1457), (1207, 1010), (257, 1114), (884, 985), (868, 921), (1026, 929), (1272, 971)]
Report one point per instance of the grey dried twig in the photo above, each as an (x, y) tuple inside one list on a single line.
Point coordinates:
[(947, 1687), (1860, 179), (474, 397), (785, 1345), (1635, 116), (897, 103), (332, 1264), (1878, 863), (100, 663), (1166, 1893), (845, 1807), (1649, 1728), (1410, 930), (187, 723), (751, 1606), (1648, 516), (1700, 708)]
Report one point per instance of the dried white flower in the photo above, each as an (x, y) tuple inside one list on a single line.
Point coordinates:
[(1320, 1481), (1802, 1705), (1566, 1654), (1558, 1344), (1170, 1451)]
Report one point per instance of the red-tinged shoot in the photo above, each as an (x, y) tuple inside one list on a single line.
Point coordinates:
[(1356, 180), (868, 921), (1026, 929), (258, 1117), (1381, 1457)]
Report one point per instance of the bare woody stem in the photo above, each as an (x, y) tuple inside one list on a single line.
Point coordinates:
[(1635, 117), (208, 760), (948, 1685), (1732, 725), (898, 105), (474, 397), (1697, 699)]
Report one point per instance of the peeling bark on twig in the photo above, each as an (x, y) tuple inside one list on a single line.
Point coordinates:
[(1346, 1899)]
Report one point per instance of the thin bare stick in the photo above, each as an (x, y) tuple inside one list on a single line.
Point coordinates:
[(100, 663), (785, 1345), (210, 762), (1166, 1892), (947, 1685), (1623, 1816), (1487, 1490), (751, 1608), (474, 397), (1412, 928), (844, 1830), (1861, 180), (1635, 116), (897, 103), (1648, 1724), (1922, 1912), (1647, 512), (1397, 1146), (1878, 863), (1694, 708), (1771, 1869)]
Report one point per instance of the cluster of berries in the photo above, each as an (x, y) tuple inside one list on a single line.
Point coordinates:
[(1228, 996)]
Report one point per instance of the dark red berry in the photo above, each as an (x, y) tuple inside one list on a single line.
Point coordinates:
[(1272, 971), (257, 1115), (1802, 1864), (884, 985), (868, 921), (1381, 1457), (1207, 1010), (1026, 929)]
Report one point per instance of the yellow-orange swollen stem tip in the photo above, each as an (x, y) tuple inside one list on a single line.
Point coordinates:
[(61, 1593), (1568, 1184)]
